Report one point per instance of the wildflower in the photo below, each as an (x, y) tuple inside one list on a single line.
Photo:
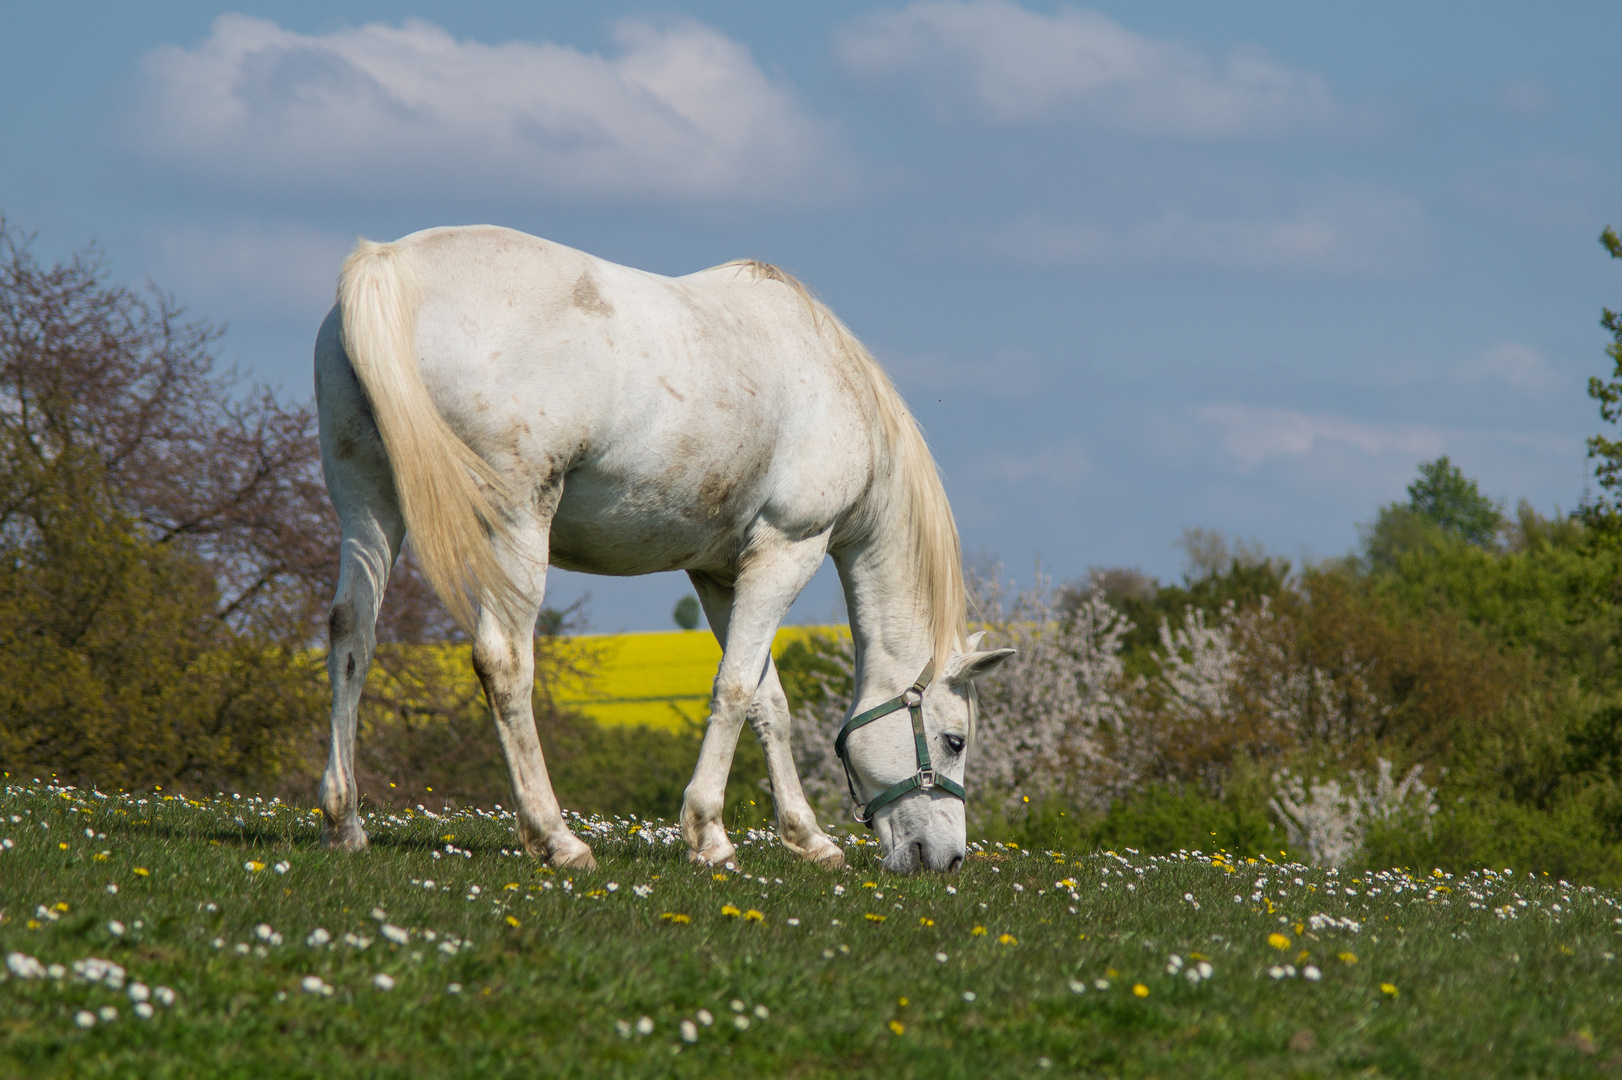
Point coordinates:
[(763, 1012), (870, 884), (1205, 970), (1276, 972), (282, 867), (1388, 989), (318, 937), (1311, 973), (719, 877), (1007, 939), (792, 921), (1278, 941), (689, 1031), (144, 1010), (383, 981), (1101, 984), (736, 1004), (115, 928), (453, 988), (968, 995), (875, 918), (253, 867), (512, 922), (312, 984), (924, 920), (729, 911), (644, 1025), (940, 958), (839, 890), (1347, 957), (1139, 990), (84, 1018), (643, 891), (675, 917), (705, 1017), (269, 936), (138, 991), (398, 935), (1077, 986), (741, 1022), (978, 931), (898, 1027), (623, 1028)]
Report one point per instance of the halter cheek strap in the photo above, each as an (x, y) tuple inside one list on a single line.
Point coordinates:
[(925, 779)]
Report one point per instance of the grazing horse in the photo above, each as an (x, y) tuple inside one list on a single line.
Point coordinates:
[(510, 403)]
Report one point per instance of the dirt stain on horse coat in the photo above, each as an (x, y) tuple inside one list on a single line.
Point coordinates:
[(588, 299)]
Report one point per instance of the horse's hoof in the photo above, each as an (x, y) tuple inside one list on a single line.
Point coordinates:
[(352, 838), (573, 858), (828, 858), (717, 855)]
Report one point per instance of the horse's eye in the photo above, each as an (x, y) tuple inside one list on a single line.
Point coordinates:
[(954, 743)]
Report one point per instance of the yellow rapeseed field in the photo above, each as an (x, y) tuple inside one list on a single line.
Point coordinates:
[(660, 679)]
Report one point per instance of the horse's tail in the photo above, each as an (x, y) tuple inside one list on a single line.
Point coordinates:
[(454, 504)]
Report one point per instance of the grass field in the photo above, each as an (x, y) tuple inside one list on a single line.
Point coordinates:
[(157, 936)]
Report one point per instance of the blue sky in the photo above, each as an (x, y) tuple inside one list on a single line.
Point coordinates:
[(1137, 267)]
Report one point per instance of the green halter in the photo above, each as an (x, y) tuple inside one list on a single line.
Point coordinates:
[(925, 779)]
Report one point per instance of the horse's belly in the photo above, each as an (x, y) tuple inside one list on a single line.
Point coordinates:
[(609, 529)]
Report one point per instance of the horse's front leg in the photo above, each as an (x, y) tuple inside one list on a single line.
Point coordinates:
[(745, 617), (796, 821)]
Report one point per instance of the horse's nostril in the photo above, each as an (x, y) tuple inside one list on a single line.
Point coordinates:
[(957, 861)]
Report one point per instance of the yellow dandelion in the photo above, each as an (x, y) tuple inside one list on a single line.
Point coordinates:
[(512, 922), (876, 918), (898, 1027), (1112, 973), (1139, 990), (99, 857), (978, 931), (63, 845), (253, 866), (1348, 958), (903, 1002), (753, 916), (1007, 939), (719, 877), (1387, 988), (675, 917), (33, 924), (1302, 955), (729, 911), (448, 836), (512, 885), (1299, 927), (925, 920), (60, 905), (870, 884), (1278, 941), (141, 871)]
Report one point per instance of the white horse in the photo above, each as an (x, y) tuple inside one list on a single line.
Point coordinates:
[(512, 403)]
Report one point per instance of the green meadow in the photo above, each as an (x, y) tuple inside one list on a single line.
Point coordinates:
[(161, 936)]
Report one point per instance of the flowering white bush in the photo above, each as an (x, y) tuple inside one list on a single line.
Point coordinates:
[(1331, 823)]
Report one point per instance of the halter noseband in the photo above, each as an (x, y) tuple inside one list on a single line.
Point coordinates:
[(925, 779)]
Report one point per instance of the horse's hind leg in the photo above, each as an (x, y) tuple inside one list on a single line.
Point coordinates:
[(372, 530), (504, 657)]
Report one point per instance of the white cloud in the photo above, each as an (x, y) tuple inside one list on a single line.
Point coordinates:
[(1336, 230), (1253, 434), (250, 269), (997, 62), (1519, 366), (680, 111)]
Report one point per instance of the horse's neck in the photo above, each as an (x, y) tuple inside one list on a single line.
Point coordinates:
[(889, 617)]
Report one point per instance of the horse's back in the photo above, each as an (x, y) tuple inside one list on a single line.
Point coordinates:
[(667, 415)]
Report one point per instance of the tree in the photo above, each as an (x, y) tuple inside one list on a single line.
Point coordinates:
[(1448, 499), (1608, 393), (164, 541), (686, 613)]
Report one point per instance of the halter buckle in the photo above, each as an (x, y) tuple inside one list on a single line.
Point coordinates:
[(912, 697), (926, 779)]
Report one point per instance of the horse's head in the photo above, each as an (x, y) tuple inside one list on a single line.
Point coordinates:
[(914, 797)]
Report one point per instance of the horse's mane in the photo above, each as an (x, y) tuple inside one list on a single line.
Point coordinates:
[(937, 551)]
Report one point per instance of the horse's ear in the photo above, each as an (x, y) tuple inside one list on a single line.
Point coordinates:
[(966, 667)]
